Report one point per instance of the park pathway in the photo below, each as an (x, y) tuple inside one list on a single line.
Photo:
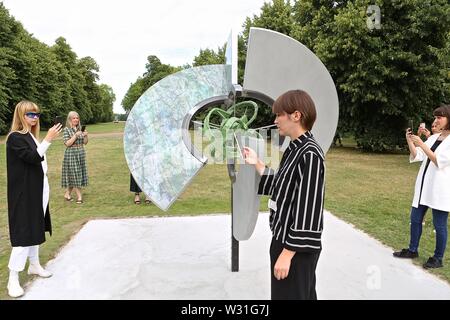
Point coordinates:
[(189, 258)]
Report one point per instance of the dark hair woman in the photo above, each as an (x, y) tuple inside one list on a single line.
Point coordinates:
[(296, 192), (431, 188)]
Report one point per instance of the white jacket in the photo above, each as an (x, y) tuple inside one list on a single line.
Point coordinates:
[(436, 185)]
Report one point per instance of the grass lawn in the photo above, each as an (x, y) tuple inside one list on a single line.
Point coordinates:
[(374, 193), (106, 127), (371, 191)]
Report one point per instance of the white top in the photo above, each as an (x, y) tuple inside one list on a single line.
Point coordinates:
[(436, 184), (42, 149)]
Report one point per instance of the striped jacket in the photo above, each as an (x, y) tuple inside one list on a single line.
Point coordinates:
[(296, 192)]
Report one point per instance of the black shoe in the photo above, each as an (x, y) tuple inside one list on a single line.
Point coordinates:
[(433, 263), (405, 253)]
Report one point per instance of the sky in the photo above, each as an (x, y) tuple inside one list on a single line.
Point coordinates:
[(120, 35)]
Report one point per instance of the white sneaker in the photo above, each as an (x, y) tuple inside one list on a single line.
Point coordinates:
[(14, 288), (38, 270)]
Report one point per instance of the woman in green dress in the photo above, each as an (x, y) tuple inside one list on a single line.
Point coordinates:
[(74, 171)]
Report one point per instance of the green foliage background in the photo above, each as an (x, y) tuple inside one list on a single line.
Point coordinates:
[(383, 76), (51, 76)]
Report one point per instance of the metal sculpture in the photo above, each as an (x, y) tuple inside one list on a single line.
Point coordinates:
[(157, 142)]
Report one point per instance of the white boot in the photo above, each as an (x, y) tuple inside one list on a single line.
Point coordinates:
[(14, 288), (36, 268)]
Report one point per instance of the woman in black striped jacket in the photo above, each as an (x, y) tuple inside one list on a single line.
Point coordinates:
[(296, 192)]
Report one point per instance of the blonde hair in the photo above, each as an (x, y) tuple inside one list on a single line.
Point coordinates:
[(69, 120), (19, 124)]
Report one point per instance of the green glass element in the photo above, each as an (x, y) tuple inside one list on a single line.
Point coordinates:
[(230, 123), (153, 139)]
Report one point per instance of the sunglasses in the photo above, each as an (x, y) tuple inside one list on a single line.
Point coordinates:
[(33, 115)]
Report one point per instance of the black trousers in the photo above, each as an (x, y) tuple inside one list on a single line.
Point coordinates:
[(133, 185), (300, 283)]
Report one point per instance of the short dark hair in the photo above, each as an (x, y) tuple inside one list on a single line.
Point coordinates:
[(443, 111), (297, 100)]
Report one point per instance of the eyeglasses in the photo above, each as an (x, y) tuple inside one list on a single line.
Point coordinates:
[(33, 115)]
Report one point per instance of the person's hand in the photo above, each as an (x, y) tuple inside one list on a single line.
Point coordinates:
[(283, 264), (425, 132), (85, 133), (250, 155), (53, 132), (416, 140), (408, 134), (78, 133), (422, 131)]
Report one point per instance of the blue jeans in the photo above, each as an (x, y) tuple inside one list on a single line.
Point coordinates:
[(440, 225)]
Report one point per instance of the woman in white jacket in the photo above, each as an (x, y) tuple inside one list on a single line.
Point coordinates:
[(432, 189)]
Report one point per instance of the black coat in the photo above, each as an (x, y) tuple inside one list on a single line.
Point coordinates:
[(25, 176)]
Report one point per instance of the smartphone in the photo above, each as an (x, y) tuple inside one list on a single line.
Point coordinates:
[(59, 119), (422, 125), (83, 128), (410, 124)]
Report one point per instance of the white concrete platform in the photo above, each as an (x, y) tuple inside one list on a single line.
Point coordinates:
[(189, 258)]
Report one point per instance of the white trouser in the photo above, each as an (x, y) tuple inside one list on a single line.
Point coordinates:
[(19, 257)]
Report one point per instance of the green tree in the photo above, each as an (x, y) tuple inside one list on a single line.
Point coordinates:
[(208, 57), (384, 76), (133, 93), (89, 70), (155, 71), (53, 77), (47, 91), (9, 30), (76, 80), (275, 15), (313, 17), (105, 105)]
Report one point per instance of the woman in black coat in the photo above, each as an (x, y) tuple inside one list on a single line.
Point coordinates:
[(28, 192)]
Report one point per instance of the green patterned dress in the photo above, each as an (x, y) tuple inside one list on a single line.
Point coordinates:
[(74, 171)]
